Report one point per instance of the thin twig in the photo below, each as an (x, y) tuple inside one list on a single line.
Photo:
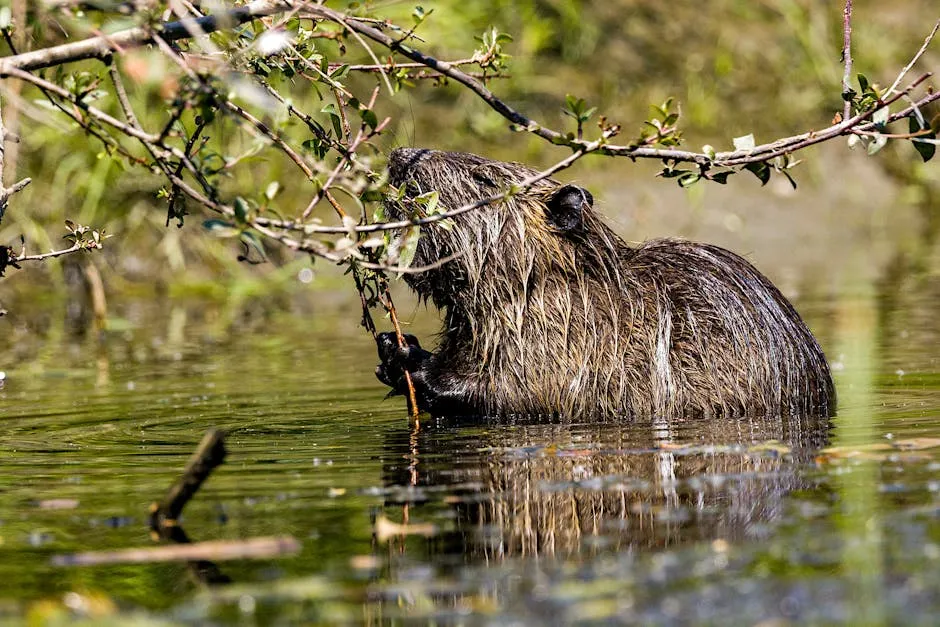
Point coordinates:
[(50, 255), (121, 92), (400, 338), (847, 58), (7, 192), (920, 53), (347, 158), (565, 163)]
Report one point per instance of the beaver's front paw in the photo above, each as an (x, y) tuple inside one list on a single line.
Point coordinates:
[(397, 359)]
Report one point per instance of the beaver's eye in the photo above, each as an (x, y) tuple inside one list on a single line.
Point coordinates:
[(482, 179)]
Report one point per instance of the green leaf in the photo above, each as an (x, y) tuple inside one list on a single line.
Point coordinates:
[(409, 246), (689, 179), (241, 210), (379, 214), (251, 240), (925, 149), (221, 228), (880, 117), (369, 118), (340, 72), (760, 170), (721, 177), (330, 110), (863, 83), (429, 200)]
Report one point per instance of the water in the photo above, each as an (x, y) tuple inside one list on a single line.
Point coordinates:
[(508, 522)]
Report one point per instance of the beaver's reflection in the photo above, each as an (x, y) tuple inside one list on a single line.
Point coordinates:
[(518, 489)]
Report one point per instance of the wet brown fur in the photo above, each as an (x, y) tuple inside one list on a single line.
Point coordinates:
[(537, 320)]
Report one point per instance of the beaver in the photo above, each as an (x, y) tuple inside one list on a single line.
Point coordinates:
[(547, 311)]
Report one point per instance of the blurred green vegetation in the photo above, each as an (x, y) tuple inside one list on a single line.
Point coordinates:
[(736, 66)]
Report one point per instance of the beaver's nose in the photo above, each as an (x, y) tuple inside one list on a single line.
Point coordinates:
[(404, 160)]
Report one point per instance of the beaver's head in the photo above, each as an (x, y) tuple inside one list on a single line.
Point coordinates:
[(501, 245)]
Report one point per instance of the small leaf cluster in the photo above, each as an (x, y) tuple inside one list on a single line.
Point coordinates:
[(661, 128), (578, 109), (868, 98), (686, 177), (85, 86), (490, 55), (84, 237)]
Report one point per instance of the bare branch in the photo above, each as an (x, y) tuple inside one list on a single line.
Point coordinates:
[(7, 192), (920, 53), (847, 58), (49, 255)]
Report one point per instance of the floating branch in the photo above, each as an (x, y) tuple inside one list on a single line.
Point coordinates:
[(208, 456)]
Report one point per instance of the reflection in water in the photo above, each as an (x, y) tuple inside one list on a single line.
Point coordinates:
[(557, 490)]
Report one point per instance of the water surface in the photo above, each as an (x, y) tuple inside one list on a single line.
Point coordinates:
[(708, 522)]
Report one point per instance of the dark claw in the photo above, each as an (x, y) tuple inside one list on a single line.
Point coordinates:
[(396, 359), (387, 344), (382, 376), (431, 394)]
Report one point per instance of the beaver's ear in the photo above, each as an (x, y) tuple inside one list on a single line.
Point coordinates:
[(566, 207)]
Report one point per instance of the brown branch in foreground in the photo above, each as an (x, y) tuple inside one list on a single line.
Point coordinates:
[(208, 455), (386, 300), (200, 552)]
